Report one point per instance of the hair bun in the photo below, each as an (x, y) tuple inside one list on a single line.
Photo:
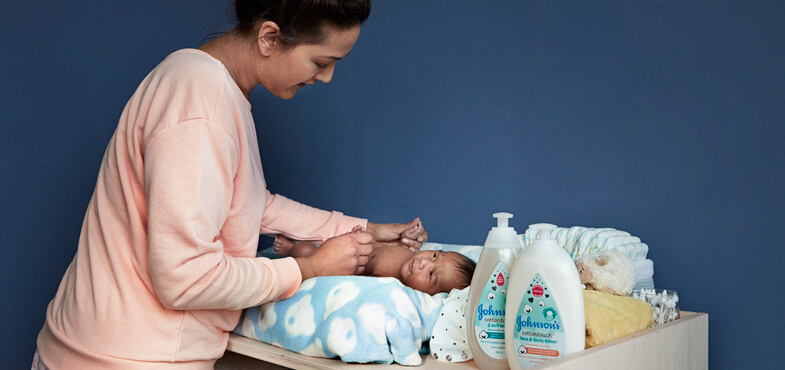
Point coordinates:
[(301, 21)]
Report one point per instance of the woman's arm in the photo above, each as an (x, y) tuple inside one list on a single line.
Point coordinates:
[(297, 221), (189, 172)]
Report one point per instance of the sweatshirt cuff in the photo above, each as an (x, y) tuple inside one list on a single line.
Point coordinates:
[(289, 275), (347, 223)]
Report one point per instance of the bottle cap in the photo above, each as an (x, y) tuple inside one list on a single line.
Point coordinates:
[(544, 233)]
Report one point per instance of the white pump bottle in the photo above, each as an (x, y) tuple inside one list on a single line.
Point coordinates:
[(545, 314), (487, 295)]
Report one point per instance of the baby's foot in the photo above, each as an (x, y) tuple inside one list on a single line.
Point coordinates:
[(358, 229), (283, 245)]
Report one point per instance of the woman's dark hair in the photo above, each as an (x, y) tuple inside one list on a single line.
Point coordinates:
[(301, 21)]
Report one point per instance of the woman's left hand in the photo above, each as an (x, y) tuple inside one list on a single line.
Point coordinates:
[(411, 234)]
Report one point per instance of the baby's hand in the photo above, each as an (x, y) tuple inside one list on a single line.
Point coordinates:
[(409, 235), (414, 236)]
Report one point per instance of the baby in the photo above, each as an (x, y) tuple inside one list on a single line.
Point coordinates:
[(427, 271)]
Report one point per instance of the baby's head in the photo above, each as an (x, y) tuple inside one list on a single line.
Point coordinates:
[(437, 271)]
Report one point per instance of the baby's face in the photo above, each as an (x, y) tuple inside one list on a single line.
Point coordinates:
[(431, 271)]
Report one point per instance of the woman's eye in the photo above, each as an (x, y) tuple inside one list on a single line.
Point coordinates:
[(320, 65)]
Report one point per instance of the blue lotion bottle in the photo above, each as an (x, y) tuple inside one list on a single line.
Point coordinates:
[(485, 315)]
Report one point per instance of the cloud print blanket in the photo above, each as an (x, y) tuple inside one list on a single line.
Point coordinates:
[(355, 318)]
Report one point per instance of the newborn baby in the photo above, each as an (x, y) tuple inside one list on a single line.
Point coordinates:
[(427, 271)]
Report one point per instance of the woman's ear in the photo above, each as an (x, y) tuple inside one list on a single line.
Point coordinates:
[(267, 38)]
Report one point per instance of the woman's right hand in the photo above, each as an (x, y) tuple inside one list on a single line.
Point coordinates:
[(342, 255)]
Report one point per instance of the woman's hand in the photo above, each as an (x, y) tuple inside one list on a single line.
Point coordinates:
[(410, 235), (342, 255)]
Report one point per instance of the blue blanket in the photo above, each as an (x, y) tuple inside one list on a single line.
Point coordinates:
[(355, 318)]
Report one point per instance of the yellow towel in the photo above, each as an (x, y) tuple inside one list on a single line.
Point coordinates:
[(610, 317)]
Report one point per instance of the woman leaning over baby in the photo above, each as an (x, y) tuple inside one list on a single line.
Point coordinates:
[(166, 256)]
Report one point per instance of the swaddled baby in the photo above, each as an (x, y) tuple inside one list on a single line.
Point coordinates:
[(427, 271)]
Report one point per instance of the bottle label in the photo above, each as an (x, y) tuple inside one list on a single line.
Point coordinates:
[(539, 333), (489, 318)]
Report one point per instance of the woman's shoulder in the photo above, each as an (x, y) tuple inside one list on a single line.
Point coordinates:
[(188, 84), (191, 63)]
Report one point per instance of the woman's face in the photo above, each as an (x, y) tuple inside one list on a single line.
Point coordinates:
[(305, 64)]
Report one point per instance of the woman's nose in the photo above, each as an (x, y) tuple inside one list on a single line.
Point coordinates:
[(326, 75)]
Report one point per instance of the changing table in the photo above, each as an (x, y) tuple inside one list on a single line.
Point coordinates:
[(682, 344)]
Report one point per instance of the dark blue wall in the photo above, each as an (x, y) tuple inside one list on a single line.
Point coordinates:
[(663, 119)]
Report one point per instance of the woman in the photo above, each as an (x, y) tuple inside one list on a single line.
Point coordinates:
[(166, 254)]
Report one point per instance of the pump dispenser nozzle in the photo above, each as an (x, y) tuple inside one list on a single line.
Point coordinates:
[(502, 219), (502, 235)]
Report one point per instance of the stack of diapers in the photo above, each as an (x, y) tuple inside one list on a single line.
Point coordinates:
[(579, 241)]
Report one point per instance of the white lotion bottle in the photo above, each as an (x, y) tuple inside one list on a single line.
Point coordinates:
[(487, 295), (545, 314)]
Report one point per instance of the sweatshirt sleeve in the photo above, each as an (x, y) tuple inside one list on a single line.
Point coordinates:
[(301, 222), (189, 171)]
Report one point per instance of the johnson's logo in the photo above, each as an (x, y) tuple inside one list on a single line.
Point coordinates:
[(488, 312), (520, 324)]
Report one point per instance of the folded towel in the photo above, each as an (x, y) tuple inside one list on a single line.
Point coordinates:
[(610, 317)]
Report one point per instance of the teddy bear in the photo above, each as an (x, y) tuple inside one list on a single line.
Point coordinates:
[(607, 271)]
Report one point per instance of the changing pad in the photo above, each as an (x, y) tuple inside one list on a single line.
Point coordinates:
[(355, 318)]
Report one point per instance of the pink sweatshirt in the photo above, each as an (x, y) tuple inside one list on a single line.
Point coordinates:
[(166, 257)]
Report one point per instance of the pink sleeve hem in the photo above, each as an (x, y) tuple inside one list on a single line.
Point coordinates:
[(289, 274)]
